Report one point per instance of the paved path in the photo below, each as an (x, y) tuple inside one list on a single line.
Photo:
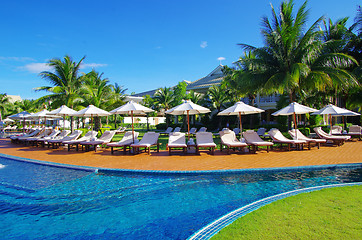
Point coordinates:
[(350, 152)]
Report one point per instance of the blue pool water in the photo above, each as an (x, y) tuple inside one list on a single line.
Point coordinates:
[(44, 202)]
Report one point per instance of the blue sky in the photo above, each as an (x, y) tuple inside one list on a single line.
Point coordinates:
[(139, 44)]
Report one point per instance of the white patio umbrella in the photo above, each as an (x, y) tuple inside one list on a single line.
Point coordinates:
[(294, 108), (332, 110), (240, 108), (20, 116), (39, 115), (6, 120), (131, 108), (62, 111), (188, 108), (91, 111)]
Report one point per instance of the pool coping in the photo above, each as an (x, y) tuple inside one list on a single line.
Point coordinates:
[(214, 227), (194, 172)]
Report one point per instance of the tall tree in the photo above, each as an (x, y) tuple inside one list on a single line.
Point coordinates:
[(97, 91), (164, 98), (65, 82), (292, 58), (4, 105), (218, 97)]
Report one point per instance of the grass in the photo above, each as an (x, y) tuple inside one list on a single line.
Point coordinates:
[(333, 213)]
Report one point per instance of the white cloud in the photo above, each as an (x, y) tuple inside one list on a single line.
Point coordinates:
[(203, 44), (36, 67), (17, 59), (221, 58), (92, 65)]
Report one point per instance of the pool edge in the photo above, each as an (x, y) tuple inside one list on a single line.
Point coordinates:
[(214, 227)]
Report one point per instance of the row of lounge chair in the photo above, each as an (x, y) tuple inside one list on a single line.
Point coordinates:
[(177, 140)]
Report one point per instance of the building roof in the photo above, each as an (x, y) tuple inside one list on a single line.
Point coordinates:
[(213, 78), (14, 98)]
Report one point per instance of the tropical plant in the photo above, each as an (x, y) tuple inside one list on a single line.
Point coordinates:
[(96, 91), (117, 99), (4, 104), (217, 97), (292, 60), (65, 83), (164, 98)]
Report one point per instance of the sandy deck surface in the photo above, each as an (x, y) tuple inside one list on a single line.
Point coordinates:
[(350, 152)]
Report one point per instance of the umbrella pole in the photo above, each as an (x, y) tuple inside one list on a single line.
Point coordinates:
[(92, 121), (240, 123), (132, 126), (63, 121), (188, 125), (330, 124), (295, 125)]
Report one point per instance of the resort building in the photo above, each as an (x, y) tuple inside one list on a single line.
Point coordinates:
[(215, 77)]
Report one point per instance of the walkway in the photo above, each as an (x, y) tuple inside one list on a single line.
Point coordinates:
[(350, 152)]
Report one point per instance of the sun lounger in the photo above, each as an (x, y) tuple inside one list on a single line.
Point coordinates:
[(253, 140), (149, 139), (193, 131), (337, 140), (261, 132), (41, 141), (296, 134), (167, 132), (57, 142), (104, 139), (236, 131), (125, 143), (32, 140), (279, 138), (120, 130), (45, 141), (202, 129), (15, 138), (336, 130), (177, 129), (205, 140), (89, 136), (355, 130), (228, 139), (176, 140)]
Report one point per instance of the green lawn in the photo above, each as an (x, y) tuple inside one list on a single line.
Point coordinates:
[(334, 213)]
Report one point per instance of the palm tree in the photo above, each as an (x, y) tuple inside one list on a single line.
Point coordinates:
[(4, 104), (117, 98), (96, 91), (65, 83), (164, 98), (292, 60), (218, 97)]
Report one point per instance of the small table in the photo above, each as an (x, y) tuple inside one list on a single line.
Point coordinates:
[(191, 148)]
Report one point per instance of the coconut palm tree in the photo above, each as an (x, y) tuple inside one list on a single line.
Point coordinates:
[(65, 83), (164, 97), (117, 98), (217, 98), (97, 91), (292, 59), (4, 105)]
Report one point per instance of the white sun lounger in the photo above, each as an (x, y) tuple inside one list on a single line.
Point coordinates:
[(296, 134), (355, 130), (75, 143), (104, 139), (45, 141), (125, 142), (57, 142), (148, 140), (52, 135), (205, 140), (176, 140), (338, 140), (253, 140), (168, 131), (279, 138), (228, 139)]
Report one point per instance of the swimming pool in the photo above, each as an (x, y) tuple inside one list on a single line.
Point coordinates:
[(45, 202)]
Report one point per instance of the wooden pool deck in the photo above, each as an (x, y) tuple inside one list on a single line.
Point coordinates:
[(350, 152)]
